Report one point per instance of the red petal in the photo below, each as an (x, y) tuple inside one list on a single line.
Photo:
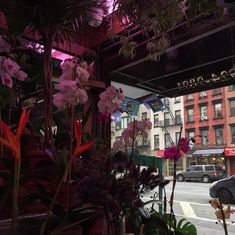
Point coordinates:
[(81, 149), (22, 123)]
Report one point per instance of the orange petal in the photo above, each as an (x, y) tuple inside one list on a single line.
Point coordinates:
[(23, 120), (81, 149), (6, 143), (8, 133)]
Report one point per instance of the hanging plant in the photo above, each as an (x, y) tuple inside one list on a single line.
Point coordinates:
[(162, 14), (127, 49), (156, 48)]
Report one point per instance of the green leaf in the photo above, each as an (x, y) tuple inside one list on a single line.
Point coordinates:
[(185, 227), (155, 224), (46, 200)]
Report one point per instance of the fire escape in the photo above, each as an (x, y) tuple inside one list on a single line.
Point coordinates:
[(168, 123)]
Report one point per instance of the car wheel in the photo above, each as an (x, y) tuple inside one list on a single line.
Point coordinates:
[(225, 196), (206, 179), (180, 178)]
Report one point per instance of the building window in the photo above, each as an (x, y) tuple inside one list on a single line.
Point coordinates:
[(123, 123), (189, 97), (204, 134), (217, 91), (233, 134), (231, 87), (156, 120), (166, 119), (191, 134), (202, 94), (167, 101), (177, 99), (203, 113), (156, 142), (144, 116), (118, 125), (190, 115), (177, 136), (219, 135), (232, 107), (167, 138), (178, 116), (118, 138), (218, 110)]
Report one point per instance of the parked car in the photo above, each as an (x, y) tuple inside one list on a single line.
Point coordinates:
[(224, 188), (204, 173)]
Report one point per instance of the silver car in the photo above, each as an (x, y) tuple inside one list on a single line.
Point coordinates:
[(224, 188), (204, 173)]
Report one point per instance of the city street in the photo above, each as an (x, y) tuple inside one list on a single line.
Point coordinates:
[(191, 202)]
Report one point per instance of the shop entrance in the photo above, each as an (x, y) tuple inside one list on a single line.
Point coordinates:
[(232, 166)]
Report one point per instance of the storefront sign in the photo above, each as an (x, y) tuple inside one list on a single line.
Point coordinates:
[(205, 81), (229, 151)]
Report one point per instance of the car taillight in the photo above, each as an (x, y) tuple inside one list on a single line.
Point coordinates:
[(214, 173)]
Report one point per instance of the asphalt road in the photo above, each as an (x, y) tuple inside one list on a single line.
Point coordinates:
[(191, 202)]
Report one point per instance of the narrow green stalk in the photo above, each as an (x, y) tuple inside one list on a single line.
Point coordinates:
[(44, 225), (133, 141), (70, 122), (15, 195)]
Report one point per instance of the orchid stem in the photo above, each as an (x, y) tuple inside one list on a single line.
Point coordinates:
[(44, 225), (174, 181), (15, 195)]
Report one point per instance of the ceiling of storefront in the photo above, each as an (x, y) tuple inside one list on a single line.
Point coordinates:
[(198, 54)]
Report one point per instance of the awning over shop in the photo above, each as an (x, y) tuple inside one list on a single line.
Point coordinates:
[(208, 152), (160, 153)]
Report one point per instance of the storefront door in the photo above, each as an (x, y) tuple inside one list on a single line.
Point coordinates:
[(232, 166)]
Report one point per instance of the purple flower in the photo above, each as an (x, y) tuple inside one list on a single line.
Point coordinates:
[(172, 153), (184, 144)]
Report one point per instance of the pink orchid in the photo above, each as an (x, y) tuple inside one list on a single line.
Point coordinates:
[(175, 153), (82, 74), (172, 153), (82, 96), (110, 100), (184, 144), (10, 67), (67, 86), (118, 145), (21, 75), (6, 79), (59, 100), (67, 65)]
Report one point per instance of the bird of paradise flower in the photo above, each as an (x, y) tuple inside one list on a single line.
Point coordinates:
[(12, 142), (79, 149)]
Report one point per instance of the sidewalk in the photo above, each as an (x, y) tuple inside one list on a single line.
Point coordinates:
[(168, 177)]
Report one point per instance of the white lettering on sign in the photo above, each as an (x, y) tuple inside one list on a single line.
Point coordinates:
[(201, 81)]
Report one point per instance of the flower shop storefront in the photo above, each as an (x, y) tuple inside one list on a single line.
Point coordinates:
[(209, 156), (71, 179)]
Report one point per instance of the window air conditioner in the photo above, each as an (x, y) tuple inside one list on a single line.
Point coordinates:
[(204, 118)]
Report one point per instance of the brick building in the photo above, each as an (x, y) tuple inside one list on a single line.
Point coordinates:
[(210, 119)]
